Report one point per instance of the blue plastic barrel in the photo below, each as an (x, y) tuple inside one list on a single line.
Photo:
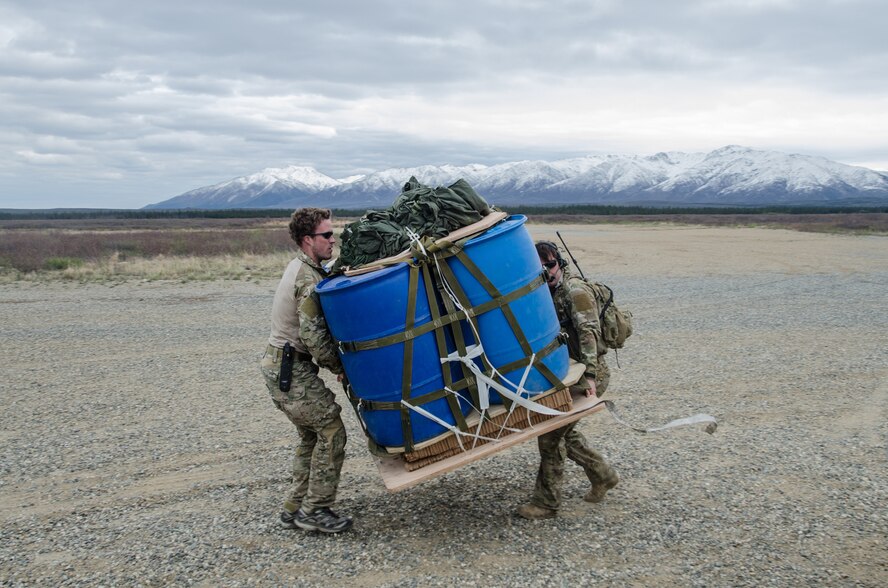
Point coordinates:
[(374, 305), (506, 255)]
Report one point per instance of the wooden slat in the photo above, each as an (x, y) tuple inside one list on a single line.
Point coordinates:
[(461, 233)]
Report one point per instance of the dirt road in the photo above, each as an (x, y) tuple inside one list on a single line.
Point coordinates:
[(139, 445)]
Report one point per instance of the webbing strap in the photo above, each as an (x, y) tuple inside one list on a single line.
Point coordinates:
[(411, 332), (537, 361), (458, 338), (494, 293), (450, 286), (452, 400), (516, 397), (459, 434), (462, 300), (424, 399), (355, 402), (610, 300), (407, 375)]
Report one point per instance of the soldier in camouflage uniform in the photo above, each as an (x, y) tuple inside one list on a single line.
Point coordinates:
[(296, 318), (577, 312)]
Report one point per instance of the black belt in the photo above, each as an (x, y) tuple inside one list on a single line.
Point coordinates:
[(276, 353)]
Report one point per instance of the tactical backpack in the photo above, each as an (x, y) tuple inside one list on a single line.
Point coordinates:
[(616, 324)]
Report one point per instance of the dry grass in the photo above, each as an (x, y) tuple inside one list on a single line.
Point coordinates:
[(121, 250), (864, 223), (99, 250), (245, 266)]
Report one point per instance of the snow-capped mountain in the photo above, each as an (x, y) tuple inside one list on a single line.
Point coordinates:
[(269, 188), (732, 175)]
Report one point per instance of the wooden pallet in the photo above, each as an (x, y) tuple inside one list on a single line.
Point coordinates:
[(396, 476), (430, 446)]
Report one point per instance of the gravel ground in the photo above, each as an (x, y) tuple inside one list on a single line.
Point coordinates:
[(139, 446)]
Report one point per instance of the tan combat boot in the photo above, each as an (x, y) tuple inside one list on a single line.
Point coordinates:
[(533, 512), (597, 492)]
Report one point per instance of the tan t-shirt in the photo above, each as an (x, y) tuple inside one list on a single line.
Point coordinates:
[(296, 284), (288, 312), (285, 310)]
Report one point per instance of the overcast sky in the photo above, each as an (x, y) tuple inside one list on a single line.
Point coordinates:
[(106, 103)]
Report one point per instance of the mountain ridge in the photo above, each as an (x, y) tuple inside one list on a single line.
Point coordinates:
[(729, 176)]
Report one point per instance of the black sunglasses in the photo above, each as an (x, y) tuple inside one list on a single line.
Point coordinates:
[(326, 235), (550, 264)]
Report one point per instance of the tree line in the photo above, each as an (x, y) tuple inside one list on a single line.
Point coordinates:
[(571, 209)]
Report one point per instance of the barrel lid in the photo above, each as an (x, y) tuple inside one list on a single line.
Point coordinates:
[(511, 223)]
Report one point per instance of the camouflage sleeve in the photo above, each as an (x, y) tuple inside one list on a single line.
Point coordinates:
[(584, 315), (315, 335)]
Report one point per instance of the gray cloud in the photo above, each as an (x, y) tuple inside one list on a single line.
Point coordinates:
[(110, 104)]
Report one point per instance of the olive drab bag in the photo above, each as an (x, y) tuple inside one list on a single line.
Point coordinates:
[(616, 324)]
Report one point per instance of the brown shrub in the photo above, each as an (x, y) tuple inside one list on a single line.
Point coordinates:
[(29, 250)]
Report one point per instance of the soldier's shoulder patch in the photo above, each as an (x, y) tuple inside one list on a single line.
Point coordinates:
[(311, 306), (582, 299)]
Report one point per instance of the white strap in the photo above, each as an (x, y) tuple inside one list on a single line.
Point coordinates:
[(452, 428), (517, 398), (415, 238), (691, 420), (485, 382)]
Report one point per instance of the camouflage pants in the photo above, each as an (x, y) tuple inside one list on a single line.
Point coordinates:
[(555, 446), (311, 406), (568, 443)]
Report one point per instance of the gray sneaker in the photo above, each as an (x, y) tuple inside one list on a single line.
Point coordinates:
[(288, 519), (323, 520)]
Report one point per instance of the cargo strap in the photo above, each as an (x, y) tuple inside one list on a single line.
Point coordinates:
[(535, 359), (407, 374), (355, 402), (407, 403), (441, 342), (459, 433), (442, 320), (424, 399)]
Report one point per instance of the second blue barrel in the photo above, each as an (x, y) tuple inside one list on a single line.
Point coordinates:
[(507, 257)]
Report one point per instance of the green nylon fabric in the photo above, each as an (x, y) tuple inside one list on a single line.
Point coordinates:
[(429, 212)]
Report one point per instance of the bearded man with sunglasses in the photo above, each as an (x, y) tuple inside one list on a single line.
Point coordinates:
[(298, 344), (577, 311)]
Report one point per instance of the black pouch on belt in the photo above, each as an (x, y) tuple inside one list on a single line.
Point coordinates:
[(286, 367)]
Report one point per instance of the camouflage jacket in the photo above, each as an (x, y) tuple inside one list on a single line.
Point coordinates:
[(578, 314), (297, 316)]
